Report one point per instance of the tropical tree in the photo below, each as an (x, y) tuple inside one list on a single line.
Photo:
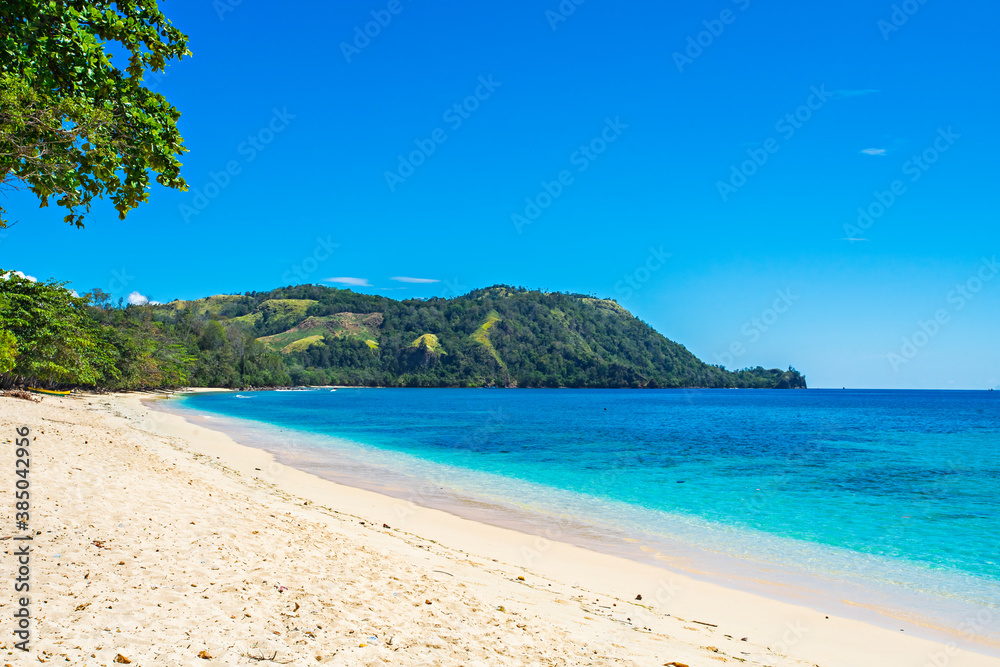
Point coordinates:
[(8, 351), (56, 341), (73, 126)]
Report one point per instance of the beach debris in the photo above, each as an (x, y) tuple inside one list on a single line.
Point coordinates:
[(520, 578), (711, 625), (502, 608), (262, 657), (385, 525), (20, 393), (674, 664), (427, 602), (743, 639), (711, 648), (205, 655), (122, 660), (638, 597)]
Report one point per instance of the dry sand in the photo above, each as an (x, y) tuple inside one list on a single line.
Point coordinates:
[(169, 544)]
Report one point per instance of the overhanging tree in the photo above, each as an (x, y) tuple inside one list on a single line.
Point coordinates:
[(73, 126)]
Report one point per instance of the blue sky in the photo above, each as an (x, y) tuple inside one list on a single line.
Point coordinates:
[(712, 154)]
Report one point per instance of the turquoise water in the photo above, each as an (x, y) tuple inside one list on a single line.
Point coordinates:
[(901, 487)]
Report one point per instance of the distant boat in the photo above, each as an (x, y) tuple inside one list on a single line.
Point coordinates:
[(50, 392)]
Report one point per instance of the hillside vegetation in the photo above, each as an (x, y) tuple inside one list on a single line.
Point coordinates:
[(499, 336)]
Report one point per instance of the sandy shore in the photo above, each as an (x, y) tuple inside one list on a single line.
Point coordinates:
[(167, 543)]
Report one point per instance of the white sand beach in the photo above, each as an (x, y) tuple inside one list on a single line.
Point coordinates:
[(161, 542)]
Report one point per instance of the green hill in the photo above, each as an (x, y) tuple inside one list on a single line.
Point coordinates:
[(315, 330), (495, 337), (498, 336)]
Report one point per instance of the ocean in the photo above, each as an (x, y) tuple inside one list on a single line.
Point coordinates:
[(890, 499)]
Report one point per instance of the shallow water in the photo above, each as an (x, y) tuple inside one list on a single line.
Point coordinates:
[(889, 497)]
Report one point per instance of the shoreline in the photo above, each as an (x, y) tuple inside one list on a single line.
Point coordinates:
[(575, 601), (451, 528), (873, 603)]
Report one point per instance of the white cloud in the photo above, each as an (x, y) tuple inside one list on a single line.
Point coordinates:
[(356, 282), (74, 293), (406, 279), (19, 274), (873, 151), (136, 299)]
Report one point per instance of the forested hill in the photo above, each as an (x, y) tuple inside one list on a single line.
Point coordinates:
[(499, 336), (307, 335)]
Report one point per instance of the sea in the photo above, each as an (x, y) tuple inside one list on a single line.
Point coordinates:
[(880, 505)]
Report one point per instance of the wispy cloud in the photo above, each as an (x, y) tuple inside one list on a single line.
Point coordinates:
[(406, 279), (852, 240), (874, 151), (854, 93), (345, 280)]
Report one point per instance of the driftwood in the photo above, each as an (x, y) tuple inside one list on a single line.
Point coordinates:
[(22, 394)]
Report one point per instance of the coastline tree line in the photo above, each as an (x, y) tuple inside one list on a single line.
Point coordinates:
[(499, 336)]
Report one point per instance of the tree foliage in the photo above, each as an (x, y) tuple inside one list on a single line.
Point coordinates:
[(75, 127), (55, 340), (49, 337), (8, 351), (500, 336)]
